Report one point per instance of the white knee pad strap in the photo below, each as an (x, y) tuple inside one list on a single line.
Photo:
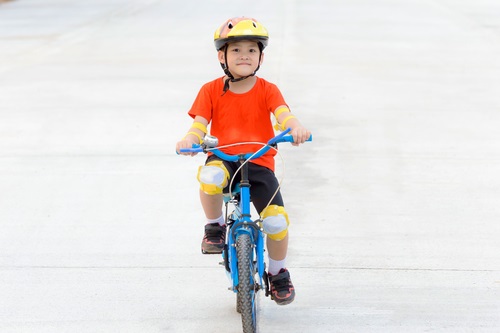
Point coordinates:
[(213, 177), (275, 222)]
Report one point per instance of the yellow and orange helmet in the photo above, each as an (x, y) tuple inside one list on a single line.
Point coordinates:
[(241, 28)]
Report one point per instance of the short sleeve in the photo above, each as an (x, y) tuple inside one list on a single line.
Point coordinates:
[(274, 98), (202, 105)]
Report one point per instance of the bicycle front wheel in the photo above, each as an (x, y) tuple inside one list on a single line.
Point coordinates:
[(246, 297)]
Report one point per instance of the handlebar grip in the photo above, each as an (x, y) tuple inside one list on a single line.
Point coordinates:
[(191, 150), (195, 149), (289, 138)]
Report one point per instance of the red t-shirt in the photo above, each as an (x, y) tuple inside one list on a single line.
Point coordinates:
[(243, 117)]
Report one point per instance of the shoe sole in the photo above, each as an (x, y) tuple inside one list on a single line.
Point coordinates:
[(211, 250), (283, 302), (206, 252)]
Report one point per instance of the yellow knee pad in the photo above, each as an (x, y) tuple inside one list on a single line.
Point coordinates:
[(275, 222), (213, 177)]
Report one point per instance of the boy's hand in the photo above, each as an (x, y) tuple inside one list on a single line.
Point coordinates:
[(185, 143), (300, 135)]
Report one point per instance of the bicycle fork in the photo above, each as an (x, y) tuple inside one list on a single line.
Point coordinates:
[(229, 255)]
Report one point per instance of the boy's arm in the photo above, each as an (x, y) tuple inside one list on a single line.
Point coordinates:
[(194, 135), (287, 120)]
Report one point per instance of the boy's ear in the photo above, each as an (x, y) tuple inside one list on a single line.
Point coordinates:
[(220, 56), (261, 58)]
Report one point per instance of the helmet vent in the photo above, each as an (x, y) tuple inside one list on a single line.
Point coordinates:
[(230, 25), (254, 24)]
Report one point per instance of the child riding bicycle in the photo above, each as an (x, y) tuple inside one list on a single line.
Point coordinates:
[(238, 106)]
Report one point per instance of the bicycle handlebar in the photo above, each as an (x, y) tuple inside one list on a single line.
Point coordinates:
[(282, 137)]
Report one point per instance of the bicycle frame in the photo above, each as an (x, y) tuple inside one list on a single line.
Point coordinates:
[(240, 222), (240, 225)]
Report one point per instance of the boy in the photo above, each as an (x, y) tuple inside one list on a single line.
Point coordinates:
[(238, 108)]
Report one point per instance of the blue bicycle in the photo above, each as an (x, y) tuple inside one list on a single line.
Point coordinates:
[(243, 254)]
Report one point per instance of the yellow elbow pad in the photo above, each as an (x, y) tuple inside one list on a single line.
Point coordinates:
[(199, 126), (282, 126)]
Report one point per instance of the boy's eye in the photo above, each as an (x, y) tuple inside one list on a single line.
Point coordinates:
[(237, 50)]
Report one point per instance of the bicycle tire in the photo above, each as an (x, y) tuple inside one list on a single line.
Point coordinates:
[(246, 297), (238, 303)]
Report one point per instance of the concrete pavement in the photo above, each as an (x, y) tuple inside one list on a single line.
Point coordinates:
[(394, 205)]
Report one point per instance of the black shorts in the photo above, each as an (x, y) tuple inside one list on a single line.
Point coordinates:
[(263, 183)]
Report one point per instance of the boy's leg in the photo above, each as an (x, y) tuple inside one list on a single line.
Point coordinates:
[(282, 289), (215, 229), (264, 185), (212, 205), (213, 177), (277, 249)]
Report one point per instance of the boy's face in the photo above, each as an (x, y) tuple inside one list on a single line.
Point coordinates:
[(242, 58)]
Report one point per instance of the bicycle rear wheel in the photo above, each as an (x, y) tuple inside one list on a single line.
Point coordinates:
[(246, 297)]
